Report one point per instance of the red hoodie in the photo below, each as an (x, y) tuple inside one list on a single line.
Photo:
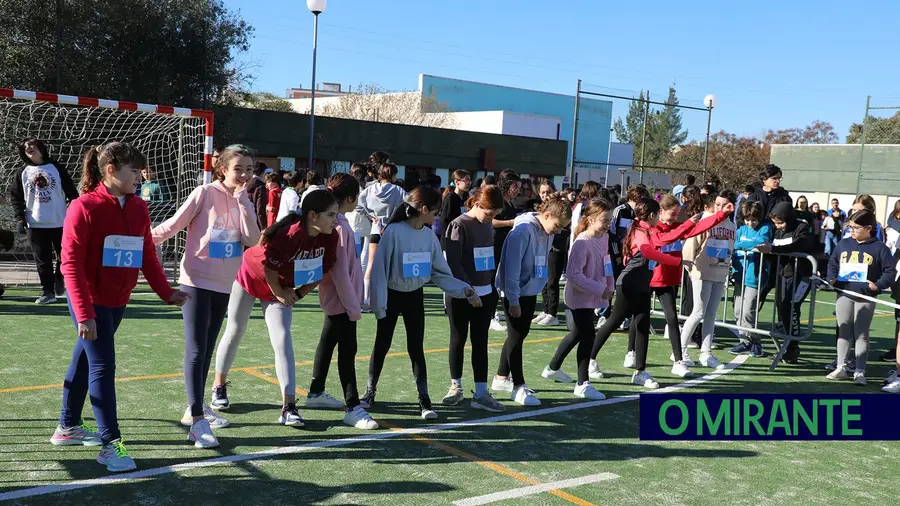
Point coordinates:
[(90, 219), (668, 237)]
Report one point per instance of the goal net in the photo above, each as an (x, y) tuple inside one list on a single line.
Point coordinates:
[(176, 141)]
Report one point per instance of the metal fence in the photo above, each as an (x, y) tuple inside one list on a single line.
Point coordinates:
[(879, 134), (643, 156)]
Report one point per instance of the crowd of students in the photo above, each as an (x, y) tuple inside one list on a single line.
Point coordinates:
[(366, 244)]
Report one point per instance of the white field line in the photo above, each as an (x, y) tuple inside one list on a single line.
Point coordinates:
[(288, 450), (877, 311), (535, 489)]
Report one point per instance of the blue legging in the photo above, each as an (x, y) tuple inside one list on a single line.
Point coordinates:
[(203, 315), (93, 369)]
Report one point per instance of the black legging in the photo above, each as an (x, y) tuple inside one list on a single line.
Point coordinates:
[(463, 316), (337, 330), (412, 306), (556, 264), (633, 303), (583, 336), (666, 296), (516, 331)]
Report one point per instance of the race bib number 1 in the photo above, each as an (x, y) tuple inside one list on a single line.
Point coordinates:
[(717, 248), (540, 266), (123, 251), (853, 273), (417, 265), (307, 271), (484, 259), (224, 244)]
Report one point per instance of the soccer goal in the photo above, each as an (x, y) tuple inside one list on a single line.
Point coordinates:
[(177, 143)]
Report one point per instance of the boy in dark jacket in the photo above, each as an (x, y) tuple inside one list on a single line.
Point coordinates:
[(791, 236)]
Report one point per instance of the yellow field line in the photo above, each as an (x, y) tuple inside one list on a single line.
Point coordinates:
[(254, 372), (487, 464)]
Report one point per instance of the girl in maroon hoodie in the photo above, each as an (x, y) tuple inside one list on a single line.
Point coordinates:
[(106, 241)]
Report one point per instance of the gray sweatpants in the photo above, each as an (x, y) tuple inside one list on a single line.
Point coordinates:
[(707, 296), (745, 311), (854, 319), (278, 321)]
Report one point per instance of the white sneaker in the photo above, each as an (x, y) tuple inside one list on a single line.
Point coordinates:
[(360, 418), (525, 396), (838, 374), (594, 371), (500, 316), (497, 326), (859, 378), (215, 421), (600, 322), (587, 391), (630, 361), (548, 321), (681, 370), (892, 388), (710, 360), (644, 379), (557, 376), (323, 400), (625, 324), (202, 436), (540, 316), (115, 457), (290, 416), (686, 358), (502, 384)]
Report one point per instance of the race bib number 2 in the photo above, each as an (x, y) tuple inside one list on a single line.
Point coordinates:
[(417, 265), (307, 271), (123, 251)]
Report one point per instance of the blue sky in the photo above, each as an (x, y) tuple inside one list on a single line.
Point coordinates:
[(771, 64)]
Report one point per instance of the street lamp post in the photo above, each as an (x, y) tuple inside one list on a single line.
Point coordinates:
[(316, 7), (622, 171), (710, 102)]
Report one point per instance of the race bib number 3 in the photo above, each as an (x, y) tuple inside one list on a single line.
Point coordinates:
[(224, 244), (717, 248), (484, 259), (123, 251), (307, 271), (853, 273), (417, 265), (540, 266)]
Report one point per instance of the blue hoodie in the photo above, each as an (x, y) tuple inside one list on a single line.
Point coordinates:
[(526, 245), (747, 239), (862, 262)]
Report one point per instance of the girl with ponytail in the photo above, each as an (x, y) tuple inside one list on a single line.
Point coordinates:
[(409, 256), (106, 241), (454, 199), (292, 257)]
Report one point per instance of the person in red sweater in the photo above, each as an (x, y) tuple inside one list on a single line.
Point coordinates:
[(641, 254), (289, 262), (106, 241), (273, 187)]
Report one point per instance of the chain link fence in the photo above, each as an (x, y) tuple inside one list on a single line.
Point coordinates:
[(879, 138)]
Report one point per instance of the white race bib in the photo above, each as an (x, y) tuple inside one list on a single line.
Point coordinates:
[(123, 251), (307, 271), (718, 248), (853, 273), (484, 258), (224, 243), (417, 265), (540, 266)]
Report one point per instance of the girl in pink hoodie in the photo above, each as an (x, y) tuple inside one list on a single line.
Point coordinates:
[(220, 222), (340, 295)]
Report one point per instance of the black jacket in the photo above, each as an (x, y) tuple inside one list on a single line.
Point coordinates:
[(17, 191), (770, 199), (793, 238), (256, 191)]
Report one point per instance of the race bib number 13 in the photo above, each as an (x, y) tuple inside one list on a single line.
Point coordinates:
[(123, 251)]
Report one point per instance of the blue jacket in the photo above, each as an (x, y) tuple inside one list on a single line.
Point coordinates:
[(746, 239), (526, 245)]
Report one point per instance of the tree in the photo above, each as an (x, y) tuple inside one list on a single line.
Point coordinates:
[(817, 132), (374, 103), (174, 52), (265, 101), (878, 131), (736, 161), (664, 129)]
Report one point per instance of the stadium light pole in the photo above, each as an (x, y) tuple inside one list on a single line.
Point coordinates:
[(316, 7), (710, 102)]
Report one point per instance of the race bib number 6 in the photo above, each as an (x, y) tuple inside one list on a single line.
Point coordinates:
[(123, 251), (417, 265)]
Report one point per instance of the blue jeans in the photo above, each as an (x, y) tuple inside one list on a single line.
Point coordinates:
[(203, 315), (93, 369), (831, 241)]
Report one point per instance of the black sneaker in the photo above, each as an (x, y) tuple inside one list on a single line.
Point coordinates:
[(290, 416), (368, 399), (60, 287), (756, 350), (7, 239), (46, 299), (220, 397), (890, 356), (792, 353), (741, 348), (425, 408)]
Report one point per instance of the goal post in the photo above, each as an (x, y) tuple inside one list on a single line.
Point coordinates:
[(178, 143)]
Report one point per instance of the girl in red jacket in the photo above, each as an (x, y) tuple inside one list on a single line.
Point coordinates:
[(640, 254), (106, 241)]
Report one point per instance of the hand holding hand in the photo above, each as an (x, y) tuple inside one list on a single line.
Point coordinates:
[(179, 298)]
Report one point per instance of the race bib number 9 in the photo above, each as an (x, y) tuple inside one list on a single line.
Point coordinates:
[(307, 271), (417, 265), (484, 259), (224, 243), (853, 273), (123, 251), (540, 266), (717, 248)]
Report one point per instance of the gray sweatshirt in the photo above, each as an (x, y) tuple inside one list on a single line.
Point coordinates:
[(379, 201), (522, 269), (406, 259)]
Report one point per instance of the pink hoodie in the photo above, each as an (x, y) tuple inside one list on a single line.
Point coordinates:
[(342, 289), (211, 206)]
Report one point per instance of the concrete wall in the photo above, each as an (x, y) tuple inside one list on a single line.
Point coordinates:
[(836, 167)]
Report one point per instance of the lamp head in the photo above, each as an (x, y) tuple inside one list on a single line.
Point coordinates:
[(316, 6)]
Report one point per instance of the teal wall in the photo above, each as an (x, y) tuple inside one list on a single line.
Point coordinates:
[(834, 168)]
